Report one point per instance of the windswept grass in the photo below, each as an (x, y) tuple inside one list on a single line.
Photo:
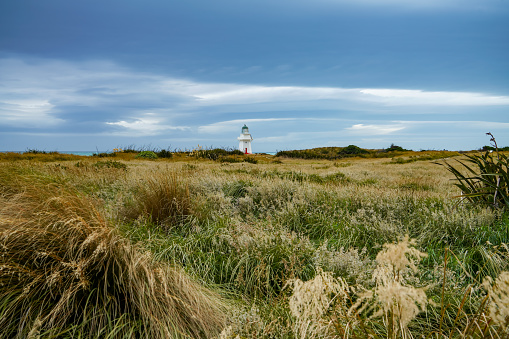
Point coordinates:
[(162, 198), (66, 272)]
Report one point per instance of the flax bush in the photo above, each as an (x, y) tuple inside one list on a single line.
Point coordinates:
[(486, 180)]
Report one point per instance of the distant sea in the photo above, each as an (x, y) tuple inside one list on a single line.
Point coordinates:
[(77, 153)]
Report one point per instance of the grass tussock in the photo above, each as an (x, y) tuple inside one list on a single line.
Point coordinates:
[(162, 197), (65, 272)]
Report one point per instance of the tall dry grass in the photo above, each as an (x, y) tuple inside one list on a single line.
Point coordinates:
[(327, 307), (161, 196), (66, 272)]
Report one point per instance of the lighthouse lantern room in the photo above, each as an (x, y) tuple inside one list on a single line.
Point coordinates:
[(245, 141)]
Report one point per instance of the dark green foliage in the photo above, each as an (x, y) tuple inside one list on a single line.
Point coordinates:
[(164, 154), (146, 155), (394, 148), (217, 153), (36, 151), (329, 153), (493, 149), (352, 149), (235, 152)]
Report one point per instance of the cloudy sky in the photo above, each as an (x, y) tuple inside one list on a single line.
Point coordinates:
[(98, 74)]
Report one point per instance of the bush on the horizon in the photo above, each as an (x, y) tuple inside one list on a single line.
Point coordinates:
[(36, 151), (395, 148), (329, 153), (146, 155), (216, 153), (164, 154)]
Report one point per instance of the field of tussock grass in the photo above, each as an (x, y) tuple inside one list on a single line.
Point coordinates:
[(274, 248)]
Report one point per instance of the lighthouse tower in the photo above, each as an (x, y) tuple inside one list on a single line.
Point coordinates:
[(245, 141)]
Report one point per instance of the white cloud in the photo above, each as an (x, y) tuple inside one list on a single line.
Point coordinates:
[(144, 126), (27, 113), (361, 129), (419, 98), (227, 94), (235, 94), (464, 123)]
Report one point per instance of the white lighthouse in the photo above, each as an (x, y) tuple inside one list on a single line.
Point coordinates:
[(245, 141)]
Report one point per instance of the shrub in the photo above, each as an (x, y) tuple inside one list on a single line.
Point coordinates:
[(395, 148), (164, 154), (329, 153), (352, 149), (36, 151), (216, 153), (146, 155)]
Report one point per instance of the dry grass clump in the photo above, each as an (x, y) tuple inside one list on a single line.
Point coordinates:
[(353, 265), (392, 298), (312, 299), (323, 307), (65, 272), (162, 197), (327, 307)]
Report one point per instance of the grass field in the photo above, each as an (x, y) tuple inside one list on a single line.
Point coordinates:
[(186, 247)]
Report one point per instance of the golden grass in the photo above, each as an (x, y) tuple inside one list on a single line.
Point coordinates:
[(63, 264)]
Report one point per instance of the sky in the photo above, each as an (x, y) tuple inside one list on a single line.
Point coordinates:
[(101, 74)]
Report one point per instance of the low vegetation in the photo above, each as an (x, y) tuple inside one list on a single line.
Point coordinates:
[(395, 152), (191, 246)]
